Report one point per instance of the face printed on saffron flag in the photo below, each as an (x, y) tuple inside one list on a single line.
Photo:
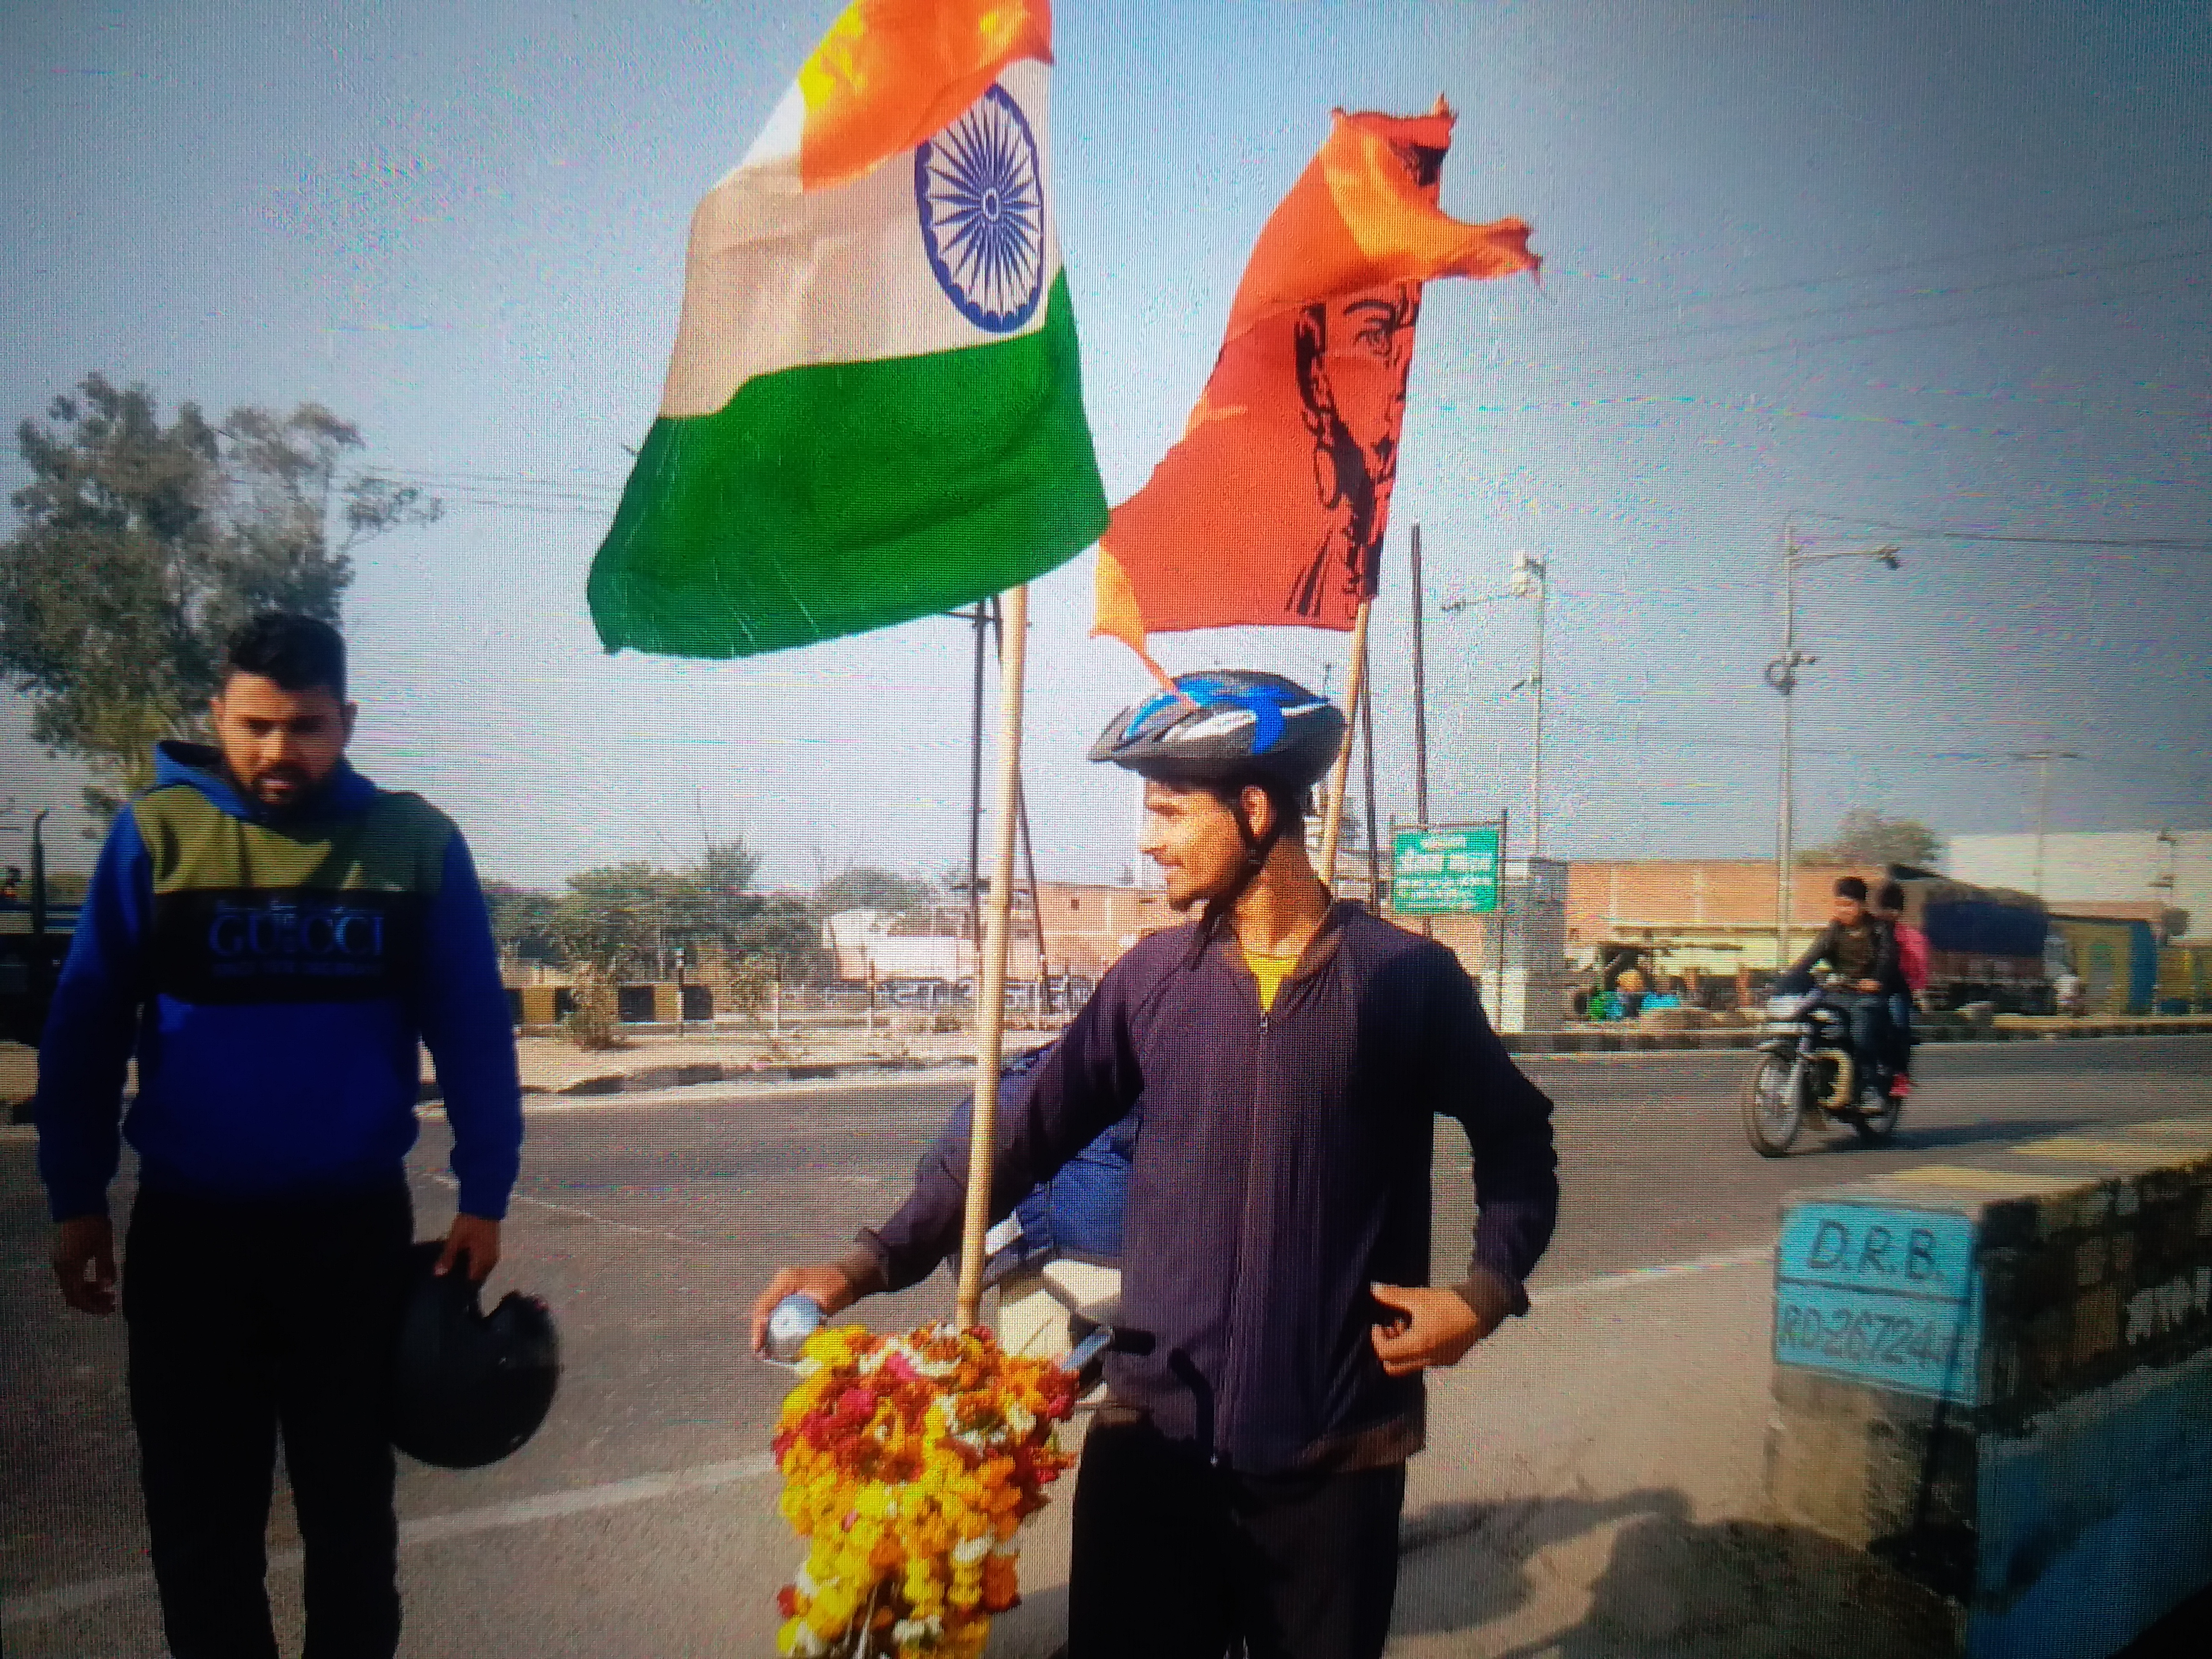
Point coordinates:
[(1273, 508), (1352, 358)]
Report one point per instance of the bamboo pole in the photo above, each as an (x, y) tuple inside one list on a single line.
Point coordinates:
[(1021, 816), (1367, 788), (1333, 819), (991, 972)]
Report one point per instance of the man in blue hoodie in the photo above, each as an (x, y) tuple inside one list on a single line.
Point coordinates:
[(270, 937)]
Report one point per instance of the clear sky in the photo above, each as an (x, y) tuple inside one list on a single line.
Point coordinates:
[(1928, 265)]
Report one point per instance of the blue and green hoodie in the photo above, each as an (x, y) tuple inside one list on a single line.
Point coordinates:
[(273, 977)]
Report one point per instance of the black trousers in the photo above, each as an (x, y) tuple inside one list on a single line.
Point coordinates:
[(246, 1321), (1175, 1559)]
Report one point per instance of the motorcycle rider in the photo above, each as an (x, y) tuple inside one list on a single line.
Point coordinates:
[(1244, 1481), (1863, 951)]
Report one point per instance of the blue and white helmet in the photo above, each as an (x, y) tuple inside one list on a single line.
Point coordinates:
[(1230, 725)]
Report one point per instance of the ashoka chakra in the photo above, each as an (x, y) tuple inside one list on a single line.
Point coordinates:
[(980, 195)]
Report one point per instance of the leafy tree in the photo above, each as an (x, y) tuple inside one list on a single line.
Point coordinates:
[(612, 920), (864, 888), (522, 921), (628, 919), (1865, 837), (141, 547), (603, 925)]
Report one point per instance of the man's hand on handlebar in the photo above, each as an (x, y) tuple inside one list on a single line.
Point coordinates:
[(825, 1282)]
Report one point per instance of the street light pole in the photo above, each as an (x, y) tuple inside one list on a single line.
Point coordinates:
[(1529, 582), (2042, 759), (1782, 674), (2167, 883), (1420, 697)]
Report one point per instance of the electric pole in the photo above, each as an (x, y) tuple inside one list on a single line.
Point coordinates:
[(1420, 699), (2042, 759), (1782, 674), (1528, 581)]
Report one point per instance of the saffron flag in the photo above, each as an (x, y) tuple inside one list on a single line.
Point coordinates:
[(1272, 507), (874, 408)]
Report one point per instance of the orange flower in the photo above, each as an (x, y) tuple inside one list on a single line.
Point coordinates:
[(911, 1464)]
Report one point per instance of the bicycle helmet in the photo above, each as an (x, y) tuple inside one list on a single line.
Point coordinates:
[(469, 1386), (1230, 727)]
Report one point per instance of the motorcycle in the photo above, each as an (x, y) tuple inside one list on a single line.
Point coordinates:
[(1807, 1070)]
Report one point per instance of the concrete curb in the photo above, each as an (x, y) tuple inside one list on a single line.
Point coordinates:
[(1599, 1040), (1588, 1041), (653, 1078)]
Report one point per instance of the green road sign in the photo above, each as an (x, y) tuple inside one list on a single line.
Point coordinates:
[(1436, 873)]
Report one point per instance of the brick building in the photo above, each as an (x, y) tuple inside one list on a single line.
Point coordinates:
[(1697, 916)]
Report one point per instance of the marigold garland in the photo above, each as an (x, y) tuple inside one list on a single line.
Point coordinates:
[(910, 1463)]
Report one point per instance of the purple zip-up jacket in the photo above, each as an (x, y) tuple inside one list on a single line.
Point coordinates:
[(1281, 1165)]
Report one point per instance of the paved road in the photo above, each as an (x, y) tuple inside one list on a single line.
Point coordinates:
[(650, 1222)]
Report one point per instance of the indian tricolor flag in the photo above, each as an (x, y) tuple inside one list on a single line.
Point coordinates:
[(874, 409)]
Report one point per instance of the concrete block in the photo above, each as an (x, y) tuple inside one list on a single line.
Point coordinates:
[(2092, 1207), (2096, 1325), (2047, 1348), (2166, 1186), (1999, 1371), (2053, 1478), (2091, 1256)]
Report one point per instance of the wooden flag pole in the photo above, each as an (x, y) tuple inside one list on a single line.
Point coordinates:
[(1333, 820), (991, 976)]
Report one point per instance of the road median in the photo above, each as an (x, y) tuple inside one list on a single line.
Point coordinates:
[(1996, 1379)]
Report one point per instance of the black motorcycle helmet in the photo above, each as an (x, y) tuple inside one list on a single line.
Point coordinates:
[(469, 1387)]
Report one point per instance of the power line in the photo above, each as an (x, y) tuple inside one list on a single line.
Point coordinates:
[(1568, 363), (2110, 233), (1997, 285), (2168, 544), (1644, 732)]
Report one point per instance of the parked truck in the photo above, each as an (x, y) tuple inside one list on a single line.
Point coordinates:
[(1984, 944)]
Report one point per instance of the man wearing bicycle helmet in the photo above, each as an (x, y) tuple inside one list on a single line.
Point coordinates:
[(1244, 1481)]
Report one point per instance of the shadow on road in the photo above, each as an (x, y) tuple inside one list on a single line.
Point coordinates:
[(1931, 1137), (1035, 1629), (1657, 1582)]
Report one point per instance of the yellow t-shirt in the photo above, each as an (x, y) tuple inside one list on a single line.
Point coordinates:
[(1270, 972)]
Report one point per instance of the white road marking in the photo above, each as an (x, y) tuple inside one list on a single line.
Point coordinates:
[(1636, 1278), (443, 1179), (65, 1599), (43, 1606)]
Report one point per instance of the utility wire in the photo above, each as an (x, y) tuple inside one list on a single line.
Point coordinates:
[(2176, 544), (1883, 302), (1568, 364), (2111, 233)]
